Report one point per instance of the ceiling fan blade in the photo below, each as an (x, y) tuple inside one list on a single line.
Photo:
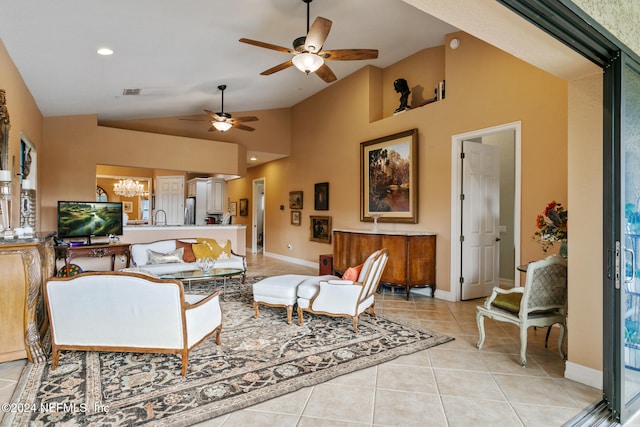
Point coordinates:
[(349, 54), (317, 34), (243, 119), (277, 68), (214, 116), (325, 73), (242, 127), (267, 45)]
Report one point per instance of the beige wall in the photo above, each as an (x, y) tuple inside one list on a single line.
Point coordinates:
[(585, 171), (25, 117)]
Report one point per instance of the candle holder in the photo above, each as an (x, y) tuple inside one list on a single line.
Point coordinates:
[(375, 217), (5, 203)]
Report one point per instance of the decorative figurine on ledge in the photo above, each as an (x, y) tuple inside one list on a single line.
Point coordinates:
[(401, 86)]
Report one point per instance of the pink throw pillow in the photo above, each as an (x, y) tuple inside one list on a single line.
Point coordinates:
[(352, 273)]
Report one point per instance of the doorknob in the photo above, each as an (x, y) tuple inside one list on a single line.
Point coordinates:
[(497, 239)]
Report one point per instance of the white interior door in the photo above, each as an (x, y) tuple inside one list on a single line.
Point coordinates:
[(480, 218), (170, 199)]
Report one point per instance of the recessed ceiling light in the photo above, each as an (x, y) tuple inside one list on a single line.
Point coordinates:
[(105, 51), (253, 159)]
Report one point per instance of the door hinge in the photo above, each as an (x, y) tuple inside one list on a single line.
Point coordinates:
[(462, 196), (461, 280), (462, 238), (462, 155)]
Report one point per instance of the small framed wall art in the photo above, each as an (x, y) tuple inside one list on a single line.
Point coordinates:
[(321, 196), (320, 229), (296, 217), (244, 207), (295, 200)]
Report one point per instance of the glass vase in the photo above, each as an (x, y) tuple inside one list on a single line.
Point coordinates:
[(563, 250)]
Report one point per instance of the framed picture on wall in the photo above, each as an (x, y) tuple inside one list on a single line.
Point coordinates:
[(321, 196), (320, 229), (296, 217), (295, 200), (244, 207), (389, 178), (127, 207), (233, 208)]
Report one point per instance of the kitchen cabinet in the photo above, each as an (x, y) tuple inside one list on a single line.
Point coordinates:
[(412, 256), (216, 194)]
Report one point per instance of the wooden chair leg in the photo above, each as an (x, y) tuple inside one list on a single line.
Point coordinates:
[(289, 313), (299, 316), (257, 310), (355, 324)]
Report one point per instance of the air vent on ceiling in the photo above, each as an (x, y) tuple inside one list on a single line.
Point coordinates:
[(131, 91)]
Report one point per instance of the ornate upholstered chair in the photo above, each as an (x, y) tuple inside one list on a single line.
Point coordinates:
[(344, 298), (541, 302)]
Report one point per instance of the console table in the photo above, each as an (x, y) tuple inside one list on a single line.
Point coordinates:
[(94, 251), (412, 256)]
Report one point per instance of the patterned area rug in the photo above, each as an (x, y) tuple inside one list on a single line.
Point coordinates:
[(258, 359)]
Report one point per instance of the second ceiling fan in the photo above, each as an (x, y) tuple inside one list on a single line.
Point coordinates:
[(307, 52), (222, 121)]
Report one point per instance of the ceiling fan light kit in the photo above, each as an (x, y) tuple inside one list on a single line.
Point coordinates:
[(221, 126), (307, 62)]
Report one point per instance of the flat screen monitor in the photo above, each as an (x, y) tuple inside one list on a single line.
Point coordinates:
[(89, 219)]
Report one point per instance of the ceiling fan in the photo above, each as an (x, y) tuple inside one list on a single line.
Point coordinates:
[(222, 121), (307, 52)]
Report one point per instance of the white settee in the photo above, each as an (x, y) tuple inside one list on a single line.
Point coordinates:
[(140, 256), (116, 311)]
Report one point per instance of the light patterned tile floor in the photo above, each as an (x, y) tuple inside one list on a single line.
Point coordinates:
[(453, 384)]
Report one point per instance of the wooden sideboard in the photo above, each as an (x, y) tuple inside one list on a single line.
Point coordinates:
[(412, 256), (25, 264)]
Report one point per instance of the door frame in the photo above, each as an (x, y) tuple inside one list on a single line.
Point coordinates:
[(456, 188), (254, 216)]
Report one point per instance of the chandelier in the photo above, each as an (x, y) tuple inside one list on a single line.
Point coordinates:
[(128, 188)]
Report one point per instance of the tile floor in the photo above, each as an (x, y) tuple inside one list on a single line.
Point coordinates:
[(453, 384)]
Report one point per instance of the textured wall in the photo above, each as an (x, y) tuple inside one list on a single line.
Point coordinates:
[(620, 17)]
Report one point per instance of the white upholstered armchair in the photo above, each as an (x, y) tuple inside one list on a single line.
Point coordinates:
[(344, 298), (541, 302)]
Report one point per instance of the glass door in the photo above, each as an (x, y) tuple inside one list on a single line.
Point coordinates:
[(626, 343)]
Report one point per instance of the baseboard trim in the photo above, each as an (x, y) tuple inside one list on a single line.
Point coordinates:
[(445, 295), (293, 260), (583, 374)]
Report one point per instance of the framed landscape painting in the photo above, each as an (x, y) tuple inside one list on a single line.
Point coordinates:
[(389, 178)]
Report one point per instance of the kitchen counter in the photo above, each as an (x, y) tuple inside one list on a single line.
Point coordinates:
[(150, 233)]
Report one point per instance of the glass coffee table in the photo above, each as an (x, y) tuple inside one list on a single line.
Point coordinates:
[(186, 277)]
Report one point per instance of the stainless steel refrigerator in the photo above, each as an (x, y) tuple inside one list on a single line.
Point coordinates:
[(190, 210)]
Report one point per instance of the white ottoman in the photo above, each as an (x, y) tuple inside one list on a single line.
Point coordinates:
[(278, 291)]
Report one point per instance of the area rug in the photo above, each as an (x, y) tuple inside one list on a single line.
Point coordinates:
[(258, 359)]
